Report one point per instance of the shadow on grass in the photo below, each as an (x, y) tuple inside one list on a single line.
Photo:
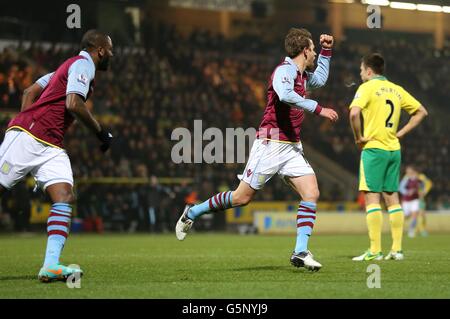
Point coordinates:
[(258, 268), (11, 278)]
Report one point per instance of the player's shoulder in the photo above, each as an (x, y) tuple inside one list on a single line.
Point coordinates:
[(285, 68), (365, 88), (82, 64)]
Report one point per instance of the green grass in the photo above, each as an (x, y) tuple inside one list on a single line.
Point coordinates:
[(223, 266)]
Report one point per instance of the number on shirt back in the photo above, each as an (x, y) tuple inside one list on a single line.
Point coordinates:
[(390, 124)]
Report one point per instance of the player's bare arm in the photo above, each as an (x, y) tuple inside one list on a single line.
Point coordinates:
[(415, 119), (76, 106), (29, 95), (355, 122)]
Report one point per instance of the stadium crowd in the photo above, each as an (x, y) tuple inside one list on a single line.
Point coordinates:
[(174, 80)]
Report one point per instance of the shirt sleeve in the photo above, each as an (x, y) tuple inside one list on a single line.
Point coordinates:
[(320, 75), (43, 80), (79, 77), (361, 98), (409, 103), (283, 84)]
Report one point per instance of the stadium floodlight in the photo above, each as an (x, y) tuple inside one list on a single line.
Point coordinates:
[(342, 1), (403, 5), (446, 9), (429, 7), (376, 2)]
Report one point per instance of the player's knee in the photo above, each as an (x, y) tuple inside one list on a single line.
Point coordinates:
[(311, 196), (64, 196)]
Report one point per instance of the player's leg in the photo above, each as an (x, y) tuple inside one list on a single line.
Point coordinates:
[(421, 223), (373, 164), (390, 195), (414, 218), (224, 200), (298, 173), (54, 176), (259, 169), (396, 220), (307, 188), (219, 202), (17, 159)]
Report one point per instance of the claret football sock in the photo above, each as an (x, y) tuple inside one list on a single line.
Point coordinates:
[(220, 201), (306, 218), (57, 229), (374, 220)]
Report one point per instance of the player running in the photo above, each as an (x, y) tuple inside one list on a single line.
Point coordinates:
[(278, 148), (380, 102), (33, 141)]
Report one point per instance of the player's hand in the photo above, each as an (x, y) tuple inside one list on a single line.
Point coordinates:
[(326, 41), (105, 137), (329, 114), (362, 142)]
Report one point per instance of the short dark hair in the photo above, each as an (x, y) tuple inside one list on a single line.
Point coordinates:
[(375, 61), (296, 40), (93, 39)]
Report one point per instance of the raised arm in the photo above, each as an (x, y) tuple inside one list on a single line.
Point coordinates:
[(283, 84), (320, 76)]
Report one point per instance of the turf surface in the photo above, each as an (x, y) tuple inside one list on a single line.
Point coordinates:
[(223, 266)]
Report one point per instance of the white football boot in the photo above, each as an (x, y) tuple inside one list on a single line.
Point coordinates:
[(183, 224), (368, 256), (305, 259), (395, 255)]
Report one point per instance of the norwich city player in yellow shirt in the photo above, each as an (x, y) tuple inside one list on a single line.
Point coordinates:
[(380, 102)]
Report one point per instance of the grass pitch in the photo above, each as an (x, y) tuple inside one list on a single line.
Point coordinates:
[(223, 266)]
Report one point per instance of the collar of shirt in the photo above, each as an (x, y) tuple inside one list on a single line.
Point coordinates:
[(291, 62), (88, 57)]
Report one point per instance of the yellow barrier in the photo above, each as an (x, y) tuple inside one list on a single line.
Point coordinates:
[(337, 223), (244, 215)]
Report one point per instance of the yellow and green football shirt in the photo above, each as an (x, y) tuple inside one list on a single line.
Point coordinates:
[(381, 102)]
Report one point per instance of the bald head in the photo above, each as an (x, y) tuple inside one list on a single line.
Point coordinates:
[(99, 46), (94, 39)]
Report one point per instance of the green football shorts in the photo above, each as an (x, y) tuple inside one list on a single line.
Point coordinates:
[(379, 170)]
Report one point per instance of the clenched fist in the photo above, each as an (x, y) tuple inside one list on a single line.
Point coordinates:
[(326, 41)]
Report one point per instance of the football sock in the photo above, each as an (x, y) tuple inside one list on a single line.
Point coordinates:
[(57, 231), (396, 218), (421, 223), (374, 220), (220, 201), (306, 218), (412, 225)]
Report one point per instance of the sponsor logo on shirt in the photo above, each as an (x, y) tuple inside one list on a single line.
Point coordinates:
[(285, 80), (83, 79)]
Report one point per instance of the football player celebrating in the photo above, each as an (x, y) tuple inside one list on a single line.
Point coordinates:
[(278, 147)]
